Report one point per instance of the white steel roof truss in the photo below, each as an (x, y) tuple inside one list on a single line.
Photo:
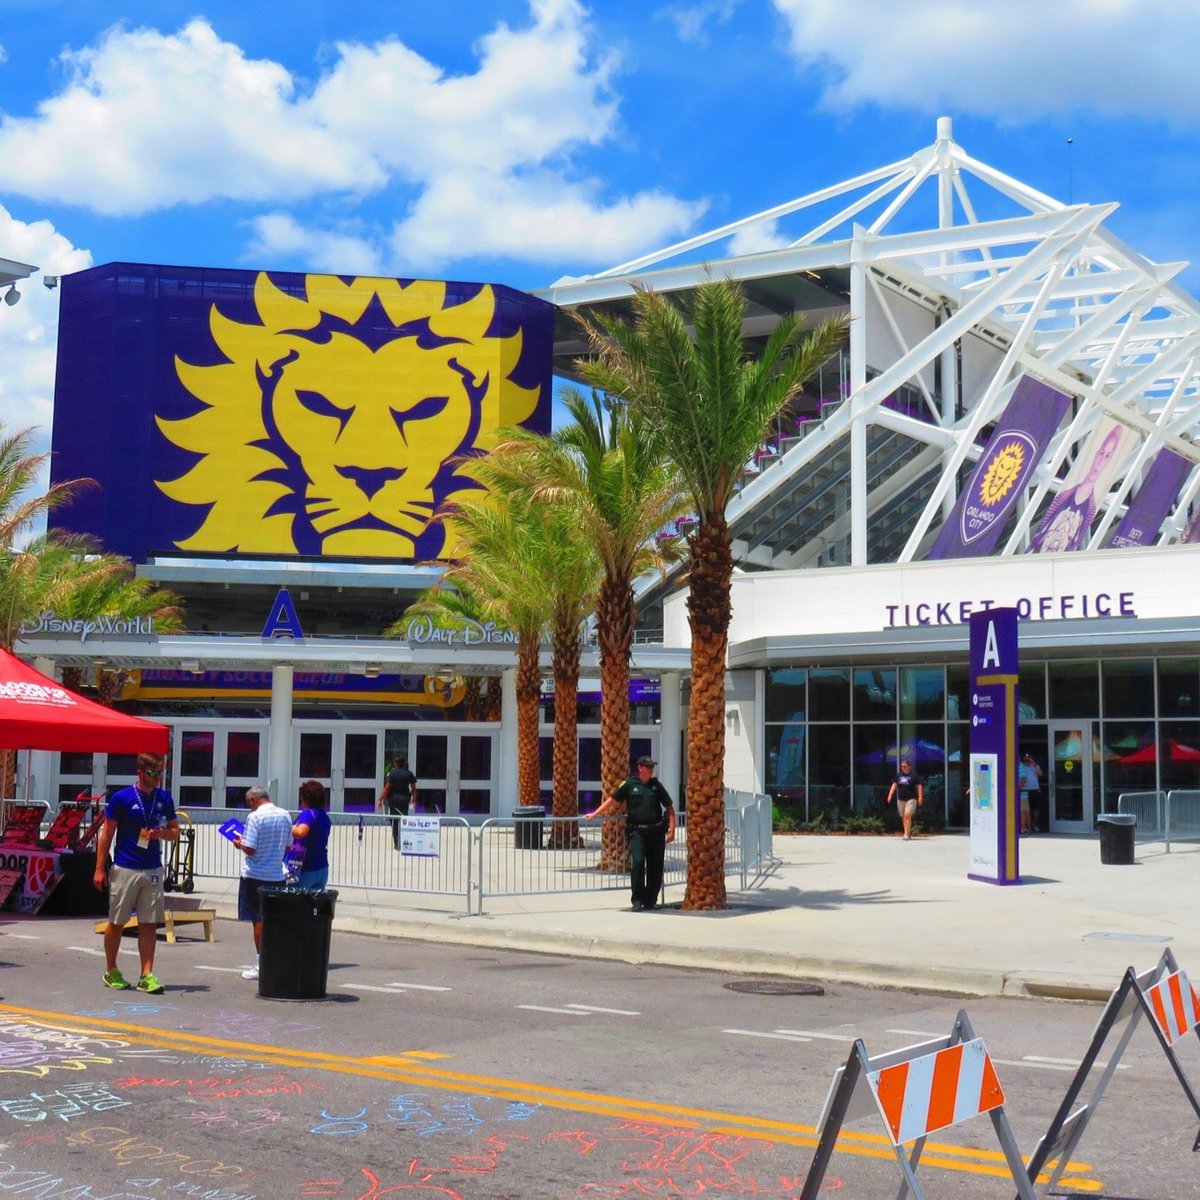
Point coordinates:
[(1057, 251)]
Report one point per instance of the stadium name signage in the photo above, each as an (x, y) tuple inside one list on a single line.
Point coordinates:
[(84, 627), (1065, 607), (421, 631)]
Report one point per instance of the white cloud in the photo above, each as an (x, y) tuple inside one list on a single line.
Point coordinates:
[(148, 120), (1024, 59), (29, 329), (537, 217), (279, 236), (691, 21)]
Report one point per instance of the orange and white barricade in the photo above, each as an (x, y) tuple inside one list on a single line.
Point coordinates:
[(1166, 997), (917, 1091)]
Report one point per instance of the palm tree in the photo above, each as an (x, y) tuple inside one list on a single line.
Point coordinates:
[(688, 375), (493, 577), (606, 469), (567, 571)]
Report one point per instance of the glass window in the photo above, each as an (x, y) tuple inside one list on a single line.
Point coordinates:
[(196, 752), (922, 694), (1180, 752), (1074, 690), (958, 692), (786, 694), (1178, 687), (875, 763), (829, 763), (875, 694), (72, 762), (241, 751), (958, 810), (1031, 692), (829, 694), (1130, 754), (1128, 687), (785, 756)]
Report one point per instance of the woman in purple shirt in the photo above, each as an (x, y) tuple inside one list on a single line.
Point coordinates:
[(312, 829)]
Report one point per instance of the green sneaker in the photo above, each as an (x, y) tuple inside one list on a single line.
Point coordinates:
[(114, 979), (149, 983)]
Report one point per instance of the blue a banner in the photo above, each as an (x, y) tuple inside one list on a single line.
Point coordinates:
[(993, 740), (1013, 451), (280, 415), (1154, 500)]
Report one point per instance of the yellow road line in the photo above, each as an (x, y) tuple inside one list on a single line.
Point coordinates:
[(408, 1067)]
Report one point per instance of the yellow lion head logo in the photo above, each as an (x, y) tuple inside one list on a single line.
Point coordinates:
[(330, 427)]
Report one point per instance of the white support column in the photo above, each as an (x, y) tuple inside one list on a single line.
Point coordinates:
[(507, 795), (669, 731), (949, 375), (858, 420), (279, 735)]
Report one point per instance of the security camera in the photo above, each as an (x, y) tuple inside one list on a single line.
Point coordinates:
[(12, 295), (51, 281)]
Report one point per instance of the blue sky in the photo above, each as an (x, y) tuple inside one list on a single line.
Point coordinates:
[(516, 141)]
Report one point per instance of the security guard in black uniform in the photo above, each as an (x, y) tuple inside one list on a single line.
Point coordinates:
[(650, 820)]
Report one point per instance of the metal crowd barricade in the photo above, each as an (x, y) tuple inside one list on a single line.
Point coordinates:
[(1150, 808), (502, 856), (1183, 816), (362, 854)]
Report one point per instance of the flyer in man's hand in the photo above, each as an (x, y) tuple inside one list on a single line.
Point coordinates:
[(232, 828)]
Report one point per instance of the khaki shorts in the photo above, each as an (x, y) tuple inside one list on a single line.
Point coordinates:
[(141, 890), (906, 808)]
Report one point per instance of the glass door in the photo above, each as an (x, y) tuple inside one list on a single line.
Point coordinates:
[(455, 772), (213, 765), (1072, 778), (349, 762)]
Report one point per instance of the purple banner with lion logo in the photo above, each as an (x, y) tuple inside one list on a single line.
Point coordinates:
[(1013, 451), (283, 415)]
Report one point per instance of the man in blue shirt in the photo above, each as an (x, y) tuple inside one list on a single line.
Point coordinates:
[(137, 820)]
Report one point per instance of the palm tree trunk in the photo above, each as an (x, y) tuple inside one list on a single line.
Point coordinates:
[(565, 834), (529, 694), (615, 616), (709, 612)]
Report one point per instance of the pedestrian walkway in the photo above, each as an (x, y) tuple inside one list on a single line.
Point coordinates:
[(866, 910)]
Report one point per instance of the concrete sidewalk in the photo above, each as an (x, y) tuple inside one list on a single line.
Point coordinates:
[(866, 910)]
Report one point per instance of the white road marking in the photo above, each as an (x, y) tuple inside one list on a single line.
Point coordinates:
[(828, 1037), (227, 970), (420, 987), (568, 1012), (87, 950), (27, 937), (371, 987), (1037, 1060), (616, 1012), (782, 1037), (921, 1033)]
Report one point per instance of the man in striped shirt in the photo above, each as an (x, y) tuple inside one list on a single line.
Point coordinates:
[(267, 838)]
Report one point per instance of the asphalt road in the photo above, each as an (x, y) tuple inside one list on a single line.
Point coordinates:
[(439, 1072)]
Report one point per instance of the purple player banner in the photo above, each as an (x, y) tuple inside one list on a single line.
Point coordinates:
[(1149, 508), (1013, 451)]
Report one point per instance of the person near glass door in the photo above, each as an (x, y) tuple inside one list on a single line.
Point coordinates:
[(1031, 788), (399, 795), (311, 831), (908, 790)]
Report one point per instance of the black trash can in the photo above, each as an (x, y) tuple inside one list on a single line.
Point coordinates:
[(1116, 838), (528, 826), (294, 962)]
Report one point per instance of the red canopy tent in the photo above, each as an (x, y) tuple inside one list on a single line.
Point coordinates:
[(38, 714)]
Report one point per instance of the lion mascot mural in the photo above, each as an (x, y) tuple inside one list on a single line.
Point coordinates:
[(333, 424)]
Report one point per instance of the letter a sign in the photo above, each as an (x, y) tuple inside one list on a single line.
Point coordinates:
[(283, 621), (993, 777)]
